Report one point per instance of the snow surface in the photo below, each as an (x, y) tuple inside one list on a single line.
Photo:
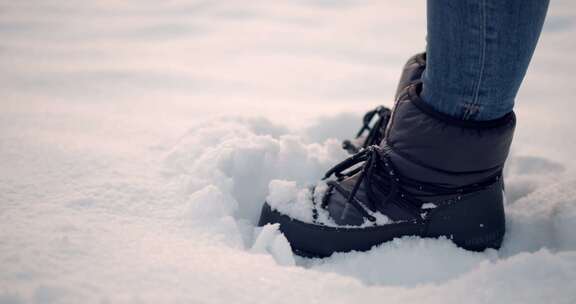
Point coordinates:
[(138, 140)]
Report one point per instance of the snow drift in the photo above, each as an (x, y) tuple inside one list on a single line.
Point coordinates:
[(244, 167)]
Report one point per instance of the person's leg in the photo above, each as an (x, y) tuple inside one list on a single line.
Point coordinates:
[(477, 54)]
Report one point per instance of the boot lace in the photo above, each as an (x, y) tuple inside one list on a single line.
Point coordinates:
[(378, 173), (374, 131)]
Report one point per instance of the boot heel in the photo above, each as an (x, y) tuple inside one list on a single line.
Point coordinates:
[(474, 223)]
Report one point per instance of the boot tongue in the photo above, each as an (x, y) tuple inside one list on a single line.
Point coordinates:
[(427, 145)]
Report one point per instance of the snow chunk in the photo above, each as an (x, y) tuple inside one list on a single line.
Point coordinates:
[(286, 197), (269, 239)]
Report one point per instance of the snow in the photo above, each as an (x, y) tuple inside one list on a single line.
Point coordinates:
[(270, 239), (428, 259), (429, 206), (138, 141), (298, 203), (289, 199)]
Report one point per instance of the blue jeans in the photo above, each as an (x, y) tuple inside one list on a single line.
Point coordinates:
[(477, 54)]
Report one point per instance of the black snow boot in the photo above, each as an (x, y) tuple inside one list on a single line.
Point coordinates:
[(432, 175), (375, 121)]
